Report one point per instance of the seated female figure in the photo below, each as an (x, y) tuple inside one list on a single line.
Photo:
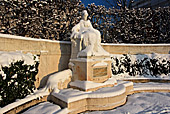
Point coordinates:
[(89, 38)]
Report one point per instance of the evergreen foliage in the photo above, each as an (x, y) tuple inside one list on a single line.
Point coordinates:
[(146, 66), (54, 19), (143, 25), (17, 81), (45, 19)]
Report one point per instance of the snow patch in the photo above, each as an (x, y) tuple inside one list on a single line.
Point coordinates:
[(90, 85), (91, 60), (6, 58), (44, 108), (100, 64), (125, 83), (51, 84), (71, 95)]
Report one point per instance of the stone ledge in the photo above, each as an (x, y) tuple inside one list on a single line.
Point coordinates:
[(106, 103), (151, 87), (98, 103), (26, 105), (156, 90), (92, 86), (128, 85), (103, 99), (148, 80)]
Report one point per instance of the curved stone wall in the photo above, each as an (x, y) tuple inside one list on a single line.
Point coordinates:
[(55, 55)]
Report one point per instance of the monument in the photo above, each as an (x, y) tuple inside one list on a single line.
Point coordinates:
[(91, 86), (89, 61)]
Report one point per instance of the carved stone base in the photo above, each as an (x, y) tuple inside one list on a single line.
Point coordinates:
[(77, 101), (95, 70)]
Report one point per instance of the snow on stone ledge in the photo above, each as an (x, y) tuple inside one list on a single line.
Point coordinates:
[(101, 64), (151, 86), (56, 81), (125, 83), (67, 42), (71, 95), (29, 38), (122, 44), (90, 85)]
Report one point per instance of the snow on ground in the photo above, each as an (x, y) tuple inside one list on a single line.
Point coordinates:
[(142, 103), (139, 103), (44, 108)]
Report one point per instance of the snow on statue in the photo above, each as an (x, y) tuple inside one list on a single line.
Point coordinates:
[(86, 41)]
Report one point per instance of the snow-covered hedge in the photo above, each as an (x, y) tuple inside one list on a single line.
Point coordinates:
[(17, 76), (143, 25), (54, 19), (46, 19), (153, 65)]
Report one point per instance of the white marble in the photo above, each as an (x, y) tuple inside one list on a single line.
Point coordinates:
[(86, 41)]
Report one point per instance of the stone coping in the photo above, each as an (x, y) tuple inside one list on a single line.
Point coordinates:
[(25, 105), (145, 80), (68, 42), (122, 44), (94, 57), (151, 87), (90, 60), (32, 39)]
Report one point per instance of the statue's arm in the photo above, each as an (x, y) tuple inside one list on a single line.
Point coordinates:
[(75, 31), (89, 24)]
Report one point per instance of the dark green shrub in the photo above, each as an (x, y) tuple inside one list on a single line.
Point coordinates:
[(54, 19), (17, 81), (146, 66)]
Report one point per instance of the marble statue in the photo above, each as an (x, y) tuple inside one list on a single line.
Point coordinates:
[(86, 41)]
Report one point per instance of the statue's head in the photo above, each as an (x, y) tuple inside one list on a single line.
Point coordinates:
[(84, 14)]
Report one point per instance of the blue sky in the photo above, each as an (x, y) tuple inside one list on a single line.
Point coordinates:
[(97, 2)]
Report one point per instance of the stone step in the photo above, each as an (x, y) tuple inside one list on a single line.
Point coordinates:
[(77, 101)]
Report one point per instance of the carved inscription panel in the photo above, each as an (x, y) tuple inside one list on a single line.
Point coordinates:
[(98, 72)]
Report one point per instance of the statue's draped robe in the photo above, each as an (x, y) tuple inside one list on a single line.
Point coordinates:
[(90, 40)]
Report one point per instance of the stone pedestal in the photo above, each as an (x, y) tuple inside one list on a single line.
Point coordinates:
[(89, 62), (95, 69)]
